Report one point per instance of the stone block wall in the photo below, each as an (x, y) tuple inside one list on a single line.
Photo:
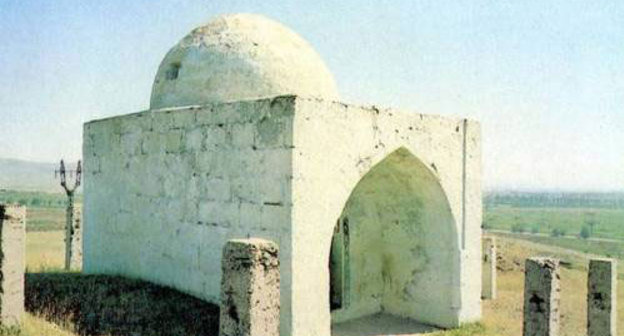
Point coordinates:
[(250, 288), (12, 266), (164, 190)]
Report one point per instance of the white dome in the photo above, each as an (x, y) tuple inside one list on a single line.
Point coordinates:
[(238, 57)]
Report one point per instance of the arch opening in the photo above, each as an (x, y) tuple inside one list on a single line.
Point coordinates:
[(394, 249)]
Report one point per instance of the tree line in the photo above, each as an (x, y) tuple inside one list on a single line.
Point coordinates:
[(34, 198), (607, 200)]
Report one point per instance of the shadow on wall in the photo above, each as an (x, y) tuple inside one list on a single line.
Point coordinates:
[(394, 248), (110, 305)]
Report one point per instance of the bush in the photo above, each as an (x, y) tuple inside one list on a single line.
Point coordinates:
[(486, 225), (535, 229), (585, 232), (557, 232), (518, 228)]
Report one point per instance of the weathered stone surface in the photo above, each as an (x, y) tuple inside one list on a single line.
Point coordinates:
[(165, 189), (239, 57), (257, 168), (432, 160), (164, 214), (12, 253), (602, 297), (250, 288), (489, 268), (541, 297)]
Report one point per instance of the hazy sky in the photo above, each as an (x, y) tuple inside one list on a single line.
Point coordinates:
[(545, 78)]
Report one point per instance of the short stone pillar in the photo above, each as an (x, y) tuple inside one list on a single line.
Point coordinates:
[(541, 297), (250, 288), (601, 297), (12, 264), (76, 239), (488, 290)]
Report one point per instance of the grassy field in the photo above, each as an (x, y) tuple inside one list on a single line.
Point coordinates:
[(45, 251), (107, 304), (45, 219), (45, 211), (501, 317), (87, 304), (36, 199), (607, 223), (611, 249)]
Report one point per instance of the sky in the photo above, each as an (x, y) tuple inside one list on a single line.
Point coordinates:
[(544, 78)]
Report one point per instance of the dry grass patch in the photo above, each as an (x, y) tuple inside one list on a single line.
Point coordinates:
[(37, 326), (501, 317), (45, 251), (504, 315)]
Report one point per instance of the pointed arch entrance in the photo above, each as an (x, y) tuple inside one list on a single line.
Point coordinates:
[(394, 248)]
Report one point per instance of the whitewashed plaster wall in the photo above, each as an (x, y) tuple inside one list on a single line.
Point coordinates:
[(335, 145), (165, 189)]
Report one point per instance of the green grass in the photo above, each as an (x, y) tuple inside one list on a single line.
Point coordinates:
[(471, 329), (102, 305), (36, 199), (10, 331), (609, 223), (45, 253), (45, 219), (599, 248), (45, 211), (105, 304)]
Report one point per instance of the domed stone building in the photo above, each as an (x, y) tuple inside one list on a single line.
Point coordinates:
[(240, 57), (376, 211)]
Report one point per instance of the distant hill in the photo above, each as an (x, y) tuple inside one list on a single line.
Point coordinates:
[(28, 175)]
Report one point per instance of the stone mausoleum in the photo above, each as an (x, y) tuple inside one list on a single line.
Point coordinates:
[(374, 210)]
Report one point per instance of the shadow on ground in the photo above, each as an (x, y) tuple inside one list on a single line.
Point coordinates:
[(110, 305)]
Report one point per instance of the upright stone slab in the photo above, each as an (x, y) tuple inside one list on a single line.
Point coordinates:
[(488, 291), (541, 297), (250, 290), (601, 297), (12, 251), (76, 239)]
